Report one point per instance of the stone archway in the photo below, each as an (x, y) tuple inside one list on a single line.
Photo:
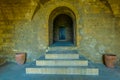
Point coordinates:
[(62, 27)]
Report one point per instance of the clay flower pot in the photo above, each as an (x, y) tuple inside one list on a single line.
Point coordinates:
[(20, 58), (109, 60)]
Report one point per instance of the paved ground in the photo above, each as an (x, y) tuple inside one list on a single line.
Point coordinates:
[(13, 71)]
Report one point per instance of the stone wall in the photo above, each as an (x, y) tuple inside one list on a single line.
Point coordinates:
[(98, 35), (117, 39), (6, 40), (12, 12), (97, 30)]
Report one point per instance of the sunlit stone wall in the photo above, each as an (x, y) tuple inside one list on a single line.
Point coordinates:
[(24, 27)]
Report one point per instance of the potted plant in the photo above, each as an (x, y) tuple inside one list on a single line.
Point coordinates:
[(109, 60)]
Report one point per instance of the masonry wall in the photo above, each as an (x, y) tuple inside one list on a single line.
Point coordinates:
[(6, 40), (117, 39), (97, 31)]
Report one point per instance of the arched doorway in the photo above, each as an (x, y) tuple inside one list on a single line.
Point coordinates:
[(63, 30), (62, 27)]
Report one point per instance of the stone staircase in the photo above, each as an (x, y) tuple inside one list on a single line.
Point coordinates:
[(62, 61)]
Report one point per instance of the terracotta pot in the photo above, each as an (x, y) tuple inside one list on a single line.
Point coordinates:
[(109, 60), (20, 58)]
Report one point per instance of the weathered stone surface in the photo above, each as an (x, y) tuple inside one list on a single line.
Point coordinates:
[(115, 6), (44, 1), (2, 61), (17, 10), (24, 27)]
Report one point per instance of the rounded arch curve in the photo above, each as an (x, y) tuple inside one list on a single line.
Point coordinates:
[(64, 13)]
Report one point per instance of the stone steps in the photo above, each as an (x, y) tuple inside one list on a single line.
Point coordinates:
[(62, 48), (61, 56), (62, 62), (63, 71)]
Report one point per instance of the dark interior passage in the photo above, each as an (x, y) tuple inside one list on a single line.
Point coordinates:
[(63, 29)]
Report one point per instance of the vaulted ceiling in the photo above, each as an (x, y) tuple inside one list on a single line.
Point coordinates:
[(16, 9), (25, 9), (114, 5)]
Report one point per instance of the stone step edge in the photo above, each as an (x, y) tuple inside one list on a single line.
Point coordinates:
[(63, 71), (61, 56), (62, 47), (62, 51), (61, 62)]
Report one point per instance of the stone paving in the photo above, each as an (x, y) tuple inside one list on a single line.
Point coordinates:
[(13, 71)]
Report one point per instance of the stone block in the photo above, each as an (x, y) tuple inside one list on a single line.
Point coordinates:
[(63, 71), (62, 63), (62, 56), (1, 40), (10, 27), (1, 48), (2, 22), (7, 35), (1, 31)]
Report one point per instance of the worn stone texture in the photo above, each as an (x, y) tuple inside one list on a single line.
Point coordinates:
[(6, 41), (115, 6), (24, 27), (17, 10), (117, 39)]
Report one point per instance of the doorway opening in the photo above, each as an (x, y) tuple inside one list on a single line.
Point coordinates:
[(62, 28), (62, 33)]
